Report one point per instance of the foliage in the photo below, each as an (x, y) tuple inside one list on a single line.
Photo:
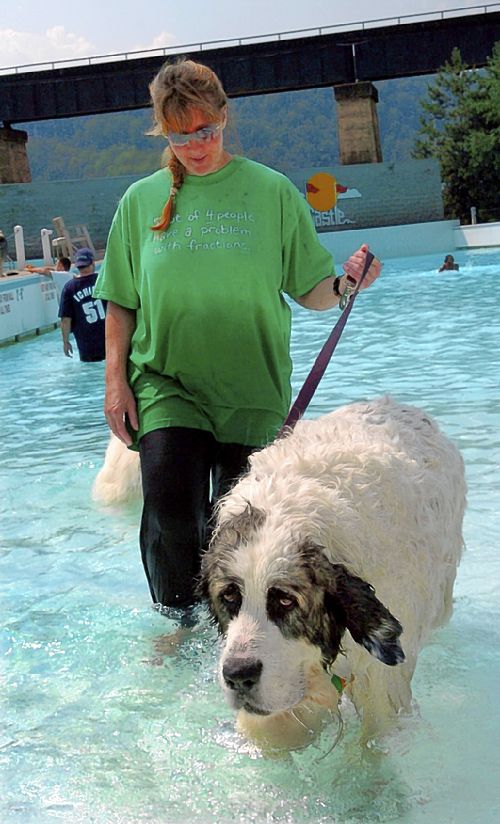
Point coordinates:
[(99, 146), (398, 115), (293, 129), (285, 131), (460, 126)]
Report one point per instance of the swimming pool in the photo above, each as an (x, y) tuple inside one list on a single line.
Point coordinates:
[(97, 728)]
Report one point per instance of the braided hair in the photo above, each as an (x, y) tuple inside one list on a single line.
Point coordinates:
[(177, 89)]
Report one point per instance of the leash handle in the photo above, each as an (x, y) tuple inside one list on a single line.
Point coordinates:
[(352, 290), (311, 382)]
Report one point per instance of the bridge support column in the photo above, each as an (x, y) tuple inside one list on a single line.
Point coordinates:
[(357, 123), (14, 165)]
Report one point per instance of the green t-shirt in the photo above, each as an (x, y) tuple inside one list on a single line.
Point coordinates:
[(211, 345)]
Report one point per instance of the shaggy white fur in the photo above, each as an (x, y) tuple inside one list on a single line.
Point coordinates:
[(378, 492), (119, 479), (337, 551)]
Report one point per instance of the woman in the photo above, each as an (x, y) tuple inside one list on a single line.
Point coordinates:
[(197, 329)]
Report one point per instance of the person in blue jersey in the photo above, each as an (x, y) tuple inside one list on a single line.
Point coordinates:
[(81, 314)]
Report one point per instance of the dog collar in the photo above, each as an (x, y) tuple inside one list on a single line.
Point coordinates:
[(339, 683)]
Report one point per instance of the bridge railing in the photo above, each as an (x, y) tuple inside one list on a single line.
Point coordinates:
[(257, 38)]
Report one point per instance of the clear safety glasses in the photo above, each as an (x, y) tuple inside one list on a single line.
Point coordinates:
[(201, 135)]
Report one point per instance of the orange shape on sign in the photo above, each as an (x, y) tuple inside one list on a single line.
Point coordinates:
[(321, 192)]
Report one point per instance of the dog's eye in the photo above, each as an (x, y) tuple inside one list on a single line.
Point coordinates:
[(285, 600), (281, 607), (230, 597)]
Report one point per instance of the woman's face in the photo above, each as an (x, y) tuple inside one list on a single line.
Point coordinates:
[(201, 157)]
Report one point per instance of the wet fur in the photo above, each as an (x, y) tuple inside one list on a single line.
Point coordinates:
[(119, 478), (355, 520), (357, 517)]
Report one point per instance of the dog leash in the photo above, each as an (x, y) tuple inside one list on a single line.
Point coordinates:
[(311, 382)]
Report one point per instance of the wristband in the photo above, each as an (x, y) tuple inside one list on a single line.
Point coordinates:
[(336, 284)]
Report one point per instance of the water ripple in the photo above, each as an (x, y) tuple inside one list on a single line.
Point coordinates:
[(98, 727)]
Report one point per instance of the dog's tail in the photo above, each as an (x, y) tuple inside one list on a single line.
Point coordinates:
[(119, 479)]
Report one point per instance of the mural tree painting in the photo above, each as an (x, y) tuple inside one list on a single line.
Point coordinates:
[(460, 126)]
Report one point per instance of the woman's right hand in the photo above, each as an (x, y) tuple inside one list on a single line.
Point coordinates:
[(119, 405)]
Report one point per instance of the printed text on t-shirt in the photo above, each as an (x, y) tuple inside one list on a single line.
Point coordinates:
[(210, 231)]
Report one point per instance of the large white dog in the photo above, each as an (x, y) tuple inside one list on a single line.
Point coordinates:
[(336, 553)]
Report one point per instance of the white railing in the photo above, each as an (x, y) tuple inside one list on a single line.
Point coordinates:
[(256, 38)]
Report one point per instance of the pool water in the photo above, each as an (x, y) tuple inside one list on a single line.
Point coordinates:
[(98, 727)]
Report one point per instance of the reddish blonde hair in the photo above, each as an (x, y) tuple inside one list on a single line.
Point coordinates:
[(177, 89)]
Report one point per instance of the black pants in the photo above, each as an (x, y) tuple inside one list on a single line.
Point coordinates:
[(177, 466)]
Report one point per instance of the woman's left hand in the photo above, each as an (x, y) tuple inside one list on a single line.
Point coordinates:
[(354, 267)]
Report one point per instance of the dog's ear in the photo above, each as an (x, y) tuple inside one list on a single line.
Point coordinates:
[(338, 600), (370, 623)]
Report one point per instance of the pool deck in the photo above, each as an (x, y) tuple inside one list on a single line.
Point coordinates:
[(29, 302)]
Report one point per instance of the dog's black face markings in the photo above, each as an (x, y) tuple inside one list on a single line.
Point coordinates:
[(239, 529), (299, 606), (318, 602), (280, 606), (215, 563), (325, 600), (229, 601), (350, 603)]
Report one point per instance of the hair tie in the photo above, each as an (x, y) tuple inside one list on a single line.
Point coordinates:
[(173, 191)]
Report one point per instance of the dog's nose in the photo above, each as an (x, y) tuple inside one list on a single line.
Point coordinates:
[(241, 674)]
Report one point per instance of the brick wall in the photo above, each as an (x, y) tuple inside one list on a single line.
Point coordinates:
[(13, 156), (379, 194), (33, 205)]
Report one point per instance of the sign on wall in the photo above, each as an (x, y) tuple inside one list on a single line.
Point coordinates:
[(323, 191)]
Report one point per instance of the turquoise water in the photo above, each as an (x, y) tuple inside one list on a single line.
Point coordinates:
[(96, 727)]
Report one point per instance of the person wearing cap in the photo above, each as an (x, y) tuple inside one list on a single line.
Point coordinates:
[(81, 314)]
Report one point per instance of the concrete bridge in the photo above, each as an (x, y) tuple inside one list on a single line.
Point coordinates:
[(348, 59)]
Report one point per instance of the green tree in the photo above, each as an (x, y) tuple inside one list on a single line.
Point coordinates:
[(460, 126)]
